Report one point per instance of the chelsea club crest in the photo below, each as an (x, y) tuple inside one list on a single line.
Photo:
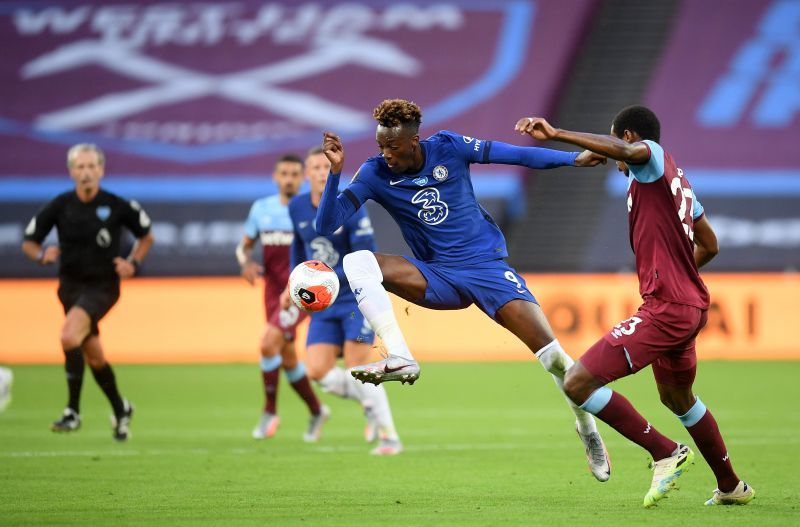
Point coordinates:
[(440, 172)]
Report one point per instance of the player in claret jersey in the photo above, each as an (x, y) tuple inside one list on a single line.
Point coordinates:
[(671, 239), (458, 249), (269, 222)]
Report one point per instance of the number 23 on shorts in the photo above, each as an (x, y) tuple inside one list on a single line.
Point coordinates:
[(626, 327)]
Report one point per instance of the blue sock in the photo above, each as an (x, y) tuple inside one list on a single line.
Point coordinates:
[(598, 400), (271, 363), (695, 413), (296, 373)]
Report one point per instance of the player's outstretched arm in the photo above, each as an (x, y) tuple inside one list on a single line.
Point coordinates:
[(606, 145), (536, 157), (705, 242), (334, 209)]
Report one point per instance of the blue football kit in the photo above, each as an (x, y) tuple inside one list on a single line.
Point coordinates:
[(342, 321), (456, 244)]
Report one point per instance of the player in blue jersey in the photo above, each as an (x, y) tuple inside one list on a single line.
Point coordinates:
[(340, 329), (458, 249), (269, 223)]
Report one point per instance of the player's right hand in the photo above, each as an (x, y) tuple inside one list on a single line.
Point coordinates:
[(536, 127), (251, 271), (587, 158), (334, 150), (50, 255)]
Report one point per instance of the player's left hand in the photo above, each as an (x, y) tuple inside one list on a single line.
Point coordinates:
[(124, 268), (536, 127), (587, 158)]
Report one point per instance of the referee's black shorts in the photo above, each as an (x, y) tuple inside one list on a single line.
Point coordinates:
[(96, 298)]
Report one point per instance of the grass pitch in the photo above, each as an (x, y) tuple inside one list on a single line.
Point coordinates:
[(486, 444)]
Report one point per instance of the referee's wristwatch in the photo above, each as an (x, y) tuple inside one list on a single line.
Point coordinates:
[(136, 264)]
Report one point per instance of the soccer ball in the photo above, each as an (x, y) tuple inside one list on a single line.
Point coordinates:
[(313, 286)]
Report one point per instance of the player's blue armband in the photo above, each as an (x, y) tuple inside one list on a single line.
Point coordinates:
[(528, 156), (334, 208)]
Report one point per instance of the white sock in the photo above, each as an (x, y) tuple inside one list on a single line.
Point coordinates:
[(337, 382), (555, 360), (375, 396), (365, 277)]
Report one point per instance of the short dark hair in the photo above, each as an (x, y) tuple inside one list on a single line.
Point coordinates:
[(398, 112), (289, 158), (639, 119)]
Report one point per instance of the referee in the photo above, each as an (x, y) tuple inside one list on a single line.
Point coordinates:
[(89, 222)]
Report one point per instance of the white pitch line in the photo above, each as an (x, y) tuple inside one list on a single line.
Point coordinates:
[(451, 447), (246, 451)]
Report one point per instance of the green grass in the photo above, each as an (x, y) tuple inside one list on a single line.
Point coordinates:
[(486, 444)]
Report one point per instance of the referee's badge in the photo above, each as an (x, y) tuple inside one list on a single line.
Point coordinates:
[(440, 172), (103, 212)]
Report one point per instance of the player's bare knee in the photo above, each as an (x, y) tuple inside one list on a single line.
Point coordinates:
[(95, 362), (268, 351), (272, 344), (70, 339), (573, 386), (679, 401), (579, 384), (315, 368), (315, 371)]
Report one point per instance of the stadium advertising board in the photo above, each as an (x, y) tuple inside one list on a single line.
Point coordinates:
[(199, 237), (730, 115), (220, 320)]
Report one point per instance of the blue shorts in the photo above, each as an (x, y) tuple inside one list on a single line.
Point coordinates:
[(340, 322), (489, 285)]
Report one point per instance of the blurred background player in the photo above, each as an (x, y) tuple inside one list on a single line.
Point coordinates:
[(89, 223), (340, 329), (268, 222), (671, 239), (459, 251)]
